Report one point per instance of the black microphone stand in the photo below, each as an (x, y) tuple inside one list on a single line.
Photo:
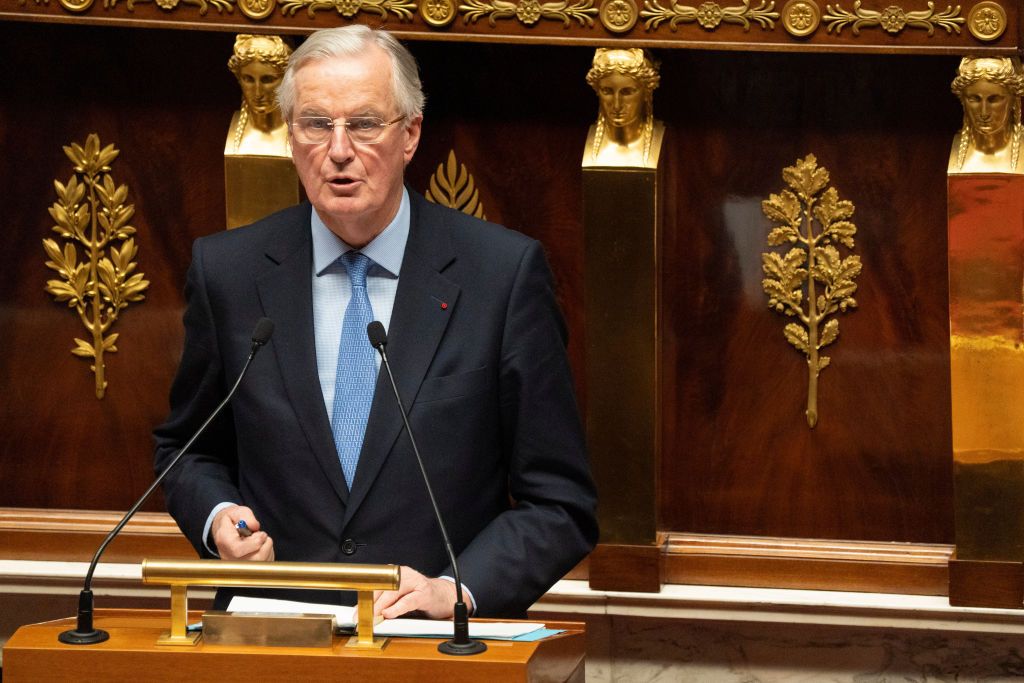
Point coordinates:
[(461, 643), (84, 633)]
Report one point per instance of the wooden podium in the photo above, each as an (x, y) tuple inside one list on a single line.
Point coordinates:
[(33, 653)]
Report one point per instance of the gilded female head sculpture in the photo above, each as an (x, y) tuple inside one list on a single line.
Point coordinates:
[(989, 89), (624, 80), (258, 63)]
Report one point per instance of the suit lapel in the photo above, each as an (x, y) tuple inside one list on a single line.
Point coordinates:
[(286, 292), (423, 305)]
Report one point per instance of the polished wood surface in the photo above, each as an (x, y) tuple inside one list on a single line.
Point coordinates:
[(738, 457), (74, 536), (986, 583), (33, 653)]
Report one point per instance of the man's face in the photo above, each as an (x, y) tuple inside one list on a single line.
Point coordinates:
[(259, 83), (621, 99), (988, 107), (355, 188)]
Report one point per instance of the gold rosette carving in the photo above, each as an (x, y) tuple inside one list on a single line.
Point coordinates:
[(257, 9), (618, 16), (453, 186), (91, 211), (528, 12), (438, 13), (813, 265), (801, 18), (893, 19), (709, 15), (987, 20)]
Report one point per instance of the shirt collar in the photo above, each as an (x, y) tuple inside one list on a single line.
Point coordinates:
[(386, 250)]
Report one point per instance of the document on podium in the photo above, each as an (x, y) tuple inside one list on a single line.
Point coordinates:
[(345, 617)]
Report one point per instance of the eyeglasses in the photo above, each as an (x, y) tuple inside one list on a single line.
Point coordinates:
[(316, 130)]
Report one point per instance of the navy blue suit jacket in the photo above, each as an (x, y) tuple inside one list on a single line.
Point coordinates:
[(477, 346)]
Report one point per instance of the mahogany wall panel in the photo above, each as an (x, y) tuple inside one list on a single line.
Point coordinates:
[(738, 455)]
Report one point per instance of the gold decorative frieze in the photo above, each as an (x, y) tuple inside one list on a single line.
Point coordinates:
[(987, 21), (438, 13), (91, 211), (349, 8), (453, 186), (169, 5), (893, 19), (801, 18), (811, 281), (529, 12), (709, 15)]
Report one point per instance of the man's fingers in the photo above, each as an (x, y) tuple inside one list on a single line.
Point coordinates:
[(409, 602)]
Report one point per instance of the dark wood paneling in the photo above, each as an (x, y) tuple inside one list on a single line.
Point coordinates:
[(164, 99), (738, 456)]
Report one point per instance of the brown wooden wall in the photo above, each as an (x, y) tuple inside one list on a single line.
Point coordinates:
[(737, 455)]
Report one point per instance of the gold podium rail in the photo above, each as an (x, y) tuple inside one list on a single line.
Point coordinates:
[(180, 574)]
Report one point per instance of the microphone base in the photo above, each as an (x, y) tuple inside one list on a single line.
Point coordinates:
[(470, 647), (76, 637)]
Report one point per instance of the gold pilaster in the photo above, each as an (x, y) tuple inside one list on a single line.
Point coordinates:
[(621, 226)]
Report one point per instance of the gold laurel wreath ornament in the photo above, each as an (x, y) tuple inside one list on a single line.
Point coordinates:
[(794, 212), (104, 282)]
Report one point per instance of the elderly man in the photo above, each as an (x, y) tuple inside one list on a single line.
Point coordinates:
[(312, 455)]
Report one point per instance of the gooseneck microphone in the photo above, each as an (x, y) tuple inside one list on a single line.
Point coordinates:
[(461, 643), (84, 633)]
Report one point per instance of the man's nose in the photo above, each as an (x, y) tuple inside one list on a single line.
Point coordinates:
[(340, 146)]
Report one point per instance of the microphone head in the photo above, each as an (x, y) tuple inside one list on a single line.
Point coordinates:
[(378, 337), (264, 329)]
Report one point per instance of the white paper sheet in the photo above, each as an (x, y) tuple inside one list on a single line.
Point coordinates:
[(346, 617)]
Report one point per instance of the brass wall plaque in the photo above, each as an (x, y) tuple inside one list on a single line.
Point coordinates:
[(811, 281), (92, 212), (275, 630)]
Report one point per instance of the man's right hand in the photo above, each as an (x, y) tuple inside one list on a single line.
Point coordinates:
[(231, 546)]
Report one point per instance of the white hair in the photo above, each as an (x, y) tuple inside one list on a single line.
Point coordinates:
[(351, 41)]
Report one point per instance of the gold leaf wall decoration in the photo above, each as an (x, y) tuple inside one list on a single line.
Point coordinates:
[(794, 278), (90, 211), (452, 186)]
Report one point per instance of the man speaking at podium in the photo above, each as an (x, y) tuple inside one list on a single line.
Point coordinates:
[(312, 454)]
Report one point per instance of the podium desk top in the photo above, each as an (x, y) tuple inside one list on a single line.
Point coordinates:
[(33, 653)]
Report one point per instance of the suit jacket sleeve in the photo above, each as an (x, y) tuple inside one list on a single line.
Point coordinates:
[(551, 523), (205, 476)]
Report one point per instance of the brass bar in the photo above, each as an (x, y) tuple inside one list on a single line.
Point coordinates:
[(271, 574)]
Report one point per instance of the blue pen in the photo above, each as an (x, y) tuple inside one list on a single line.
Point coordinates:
[(243, 528)]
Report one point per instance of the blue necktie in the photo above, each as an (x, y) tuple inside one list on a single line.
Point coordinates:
[(357, 369)]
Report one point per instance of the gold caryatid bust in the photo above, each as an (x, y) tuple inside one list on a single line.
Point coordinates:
[(989, 89), (626, 133), (257, 129)]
